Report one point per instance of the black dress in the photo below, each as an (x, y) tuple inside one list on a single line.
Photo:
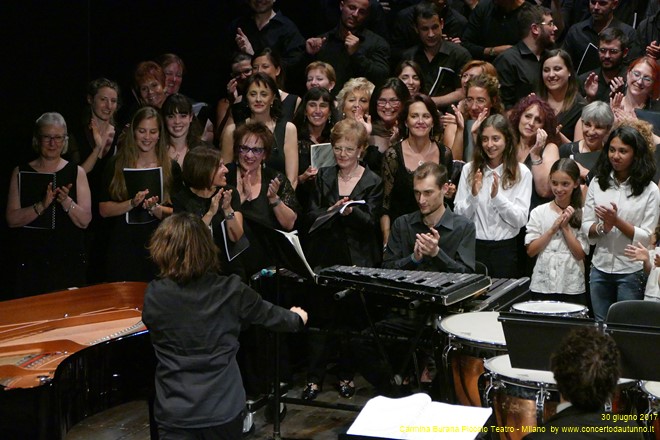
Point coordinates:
[(50, 259)]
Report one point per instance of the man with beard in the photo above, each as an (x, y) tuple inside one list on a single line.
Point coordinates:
[(350, 48), (441, 61), (582, 38), (609, 78), (518, 67)]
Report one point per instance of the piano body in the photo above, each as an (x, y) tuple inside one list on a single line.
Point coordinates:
[(70, 354)]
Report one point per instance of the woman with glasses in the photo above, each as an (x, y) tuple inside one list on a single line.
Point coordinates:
[(558, 86), (419, 122), (265, 105), (231, 108), (385, 106), (49, 212), (351, 238), (642, 89)]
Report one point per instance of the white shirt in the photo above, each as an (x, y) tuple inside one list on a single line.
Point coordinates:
[(556, 269), (501, 217), (652, 292), (641, 211)]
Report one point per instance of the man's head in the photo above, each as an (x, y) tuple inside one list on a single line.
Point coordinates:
[(536, 22), (586, 368), (428, 24), (612, 48), (353, 13), (602, 11), (261, 6), (430, 182)]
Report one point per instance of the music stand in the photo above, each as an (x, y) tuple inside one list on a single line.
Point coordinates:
[(637, 345), (531, 339), (282, 251)]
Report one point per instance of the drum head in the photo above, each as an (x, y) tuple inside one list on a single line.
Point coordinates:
[(549, 308), (482, 327), (651, 388), (501, 366)]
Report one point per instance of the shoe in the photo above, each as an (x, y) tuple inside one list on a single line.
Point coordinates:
[(346, 389), (311, 391)]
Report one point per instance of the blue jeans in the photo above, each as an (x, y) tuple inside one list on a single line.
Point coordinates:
[(608, 288)]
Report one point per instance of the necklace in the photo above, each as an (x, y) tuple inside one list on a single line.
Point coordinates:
[(558, 206), (421, 154), (350, 175)]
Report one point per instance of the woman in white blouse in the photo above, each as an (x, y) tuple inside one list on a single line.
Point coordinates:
[(494, 192), (622, 208)]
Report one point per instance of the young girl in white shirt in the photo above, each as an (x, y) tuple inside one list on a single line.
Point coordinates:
[(494, 192), (554, 235), (622, 208)]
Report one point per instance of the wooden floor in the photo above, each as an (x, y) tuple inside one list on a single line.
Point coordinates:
[(130, 421)]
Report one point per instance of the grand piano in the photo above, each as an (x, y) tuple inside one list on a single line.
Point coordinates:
[(67, 355)]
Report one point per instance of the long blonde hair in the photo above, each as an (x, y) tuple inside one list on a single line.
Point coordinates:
[(128, 156)]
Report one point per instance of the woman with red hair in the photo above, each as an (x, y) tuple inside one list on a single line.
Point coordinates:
[(643, 89)]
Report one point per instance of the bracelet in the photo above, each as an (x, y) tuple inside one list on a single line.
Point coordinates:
[(230, 216), (71, 206), (491, 52), (151, 210), (275, 203), (538, 161), (131, 202), (37, 209), (600, 229)]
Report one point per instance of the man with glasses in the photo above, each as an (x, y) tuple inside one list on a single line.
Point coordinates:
[(440, 60), (601, 83), (518, 67), (581, 41)]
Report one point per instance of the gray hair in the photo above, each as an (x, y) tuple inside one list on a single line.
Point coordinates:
[(599, 113), (49, 118)]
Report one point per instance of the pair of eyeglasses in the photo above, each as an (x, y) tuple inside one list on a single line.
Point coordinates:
[(393, 102), (57, 139), (257, 151), (347, 150), (245, 72), (605, 50), (550, 23), (637, 75)]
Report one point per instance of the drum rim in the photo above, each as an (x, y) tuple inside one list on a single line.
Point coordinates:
[(551, 386), (580, 308), (471, 341), (649, 394)]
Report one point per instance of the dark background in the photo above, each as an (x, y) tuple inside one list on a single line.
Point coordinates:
[(52, 49)]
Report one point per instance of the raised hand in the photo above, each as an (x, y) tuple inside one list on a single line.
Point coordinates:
[(351, 43), (428, 244), (314, 45), (62, 193), (653, 50), (477, 182), (539, 145), (243, 42), (273, 188), (591, 86), (616, 85), (225, 194), (495, 186), (243, 185), (608, 215)]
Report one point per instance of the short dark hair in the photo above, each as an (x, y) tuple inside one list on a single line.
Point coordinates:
[(430, 106), (199, 166), (394, 84), (533, 14), (437, 170), (183, 249), (426, 11), (257, 129), (612, 33), (261, 79), (586, 368)]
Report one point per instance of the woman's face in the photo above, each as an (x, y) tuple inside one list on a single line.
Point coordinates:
[(178, 124), (241, 71), (476, 101), (355, 99), (562, 186), (469, 74), (621, 157), (104, 103), (264, 65), (640, 81), (317, 112), (152, 92), (220, 176), (251, 153), (555, 74), (388, 106), (51, 141), (493, 142), (318, 78), (530, 121), (594, 134), (173, 77), (411, 80), (260, 98), (346, 152), (147, 135), (419, 120)]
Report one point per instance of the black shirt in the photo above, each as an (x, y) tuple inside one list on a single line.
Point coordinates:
[(603, 93), (518, 71)]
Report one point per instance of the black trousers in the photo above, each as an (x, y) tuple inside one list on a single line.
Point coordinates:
[(232, 430)]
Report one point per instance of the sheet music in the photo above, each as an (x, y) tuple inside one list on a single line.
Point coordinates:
[(437, 78), (416, 416), (322, 155)]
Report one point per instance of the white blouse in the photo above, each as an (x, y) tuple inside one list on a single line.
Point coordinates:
[(556, 269), (652, 292), (501, 217), (641, 211)]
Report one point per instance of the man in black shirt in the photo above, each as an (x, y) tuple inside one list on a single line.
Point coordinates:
[(599, 84)]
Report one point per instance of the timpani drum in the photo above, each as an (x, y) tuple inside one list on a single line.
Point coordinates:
[(651, 416), (551, 308), (472, 337)]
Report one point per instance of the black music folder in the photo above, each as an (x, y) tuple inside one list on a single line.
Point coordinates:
[(640, 350), (326, 217), (32, 188), (139, 179)]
